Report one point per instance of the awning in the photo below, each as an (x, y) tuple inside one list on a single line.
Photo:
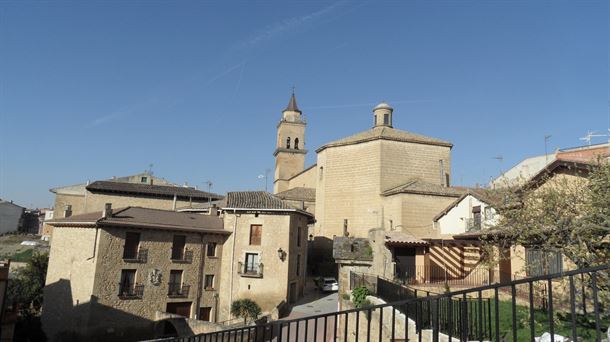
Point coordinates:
[(403, 239)]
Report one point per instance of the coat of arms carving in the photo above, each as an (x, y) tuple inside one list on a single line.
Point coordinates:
[(155, 277)]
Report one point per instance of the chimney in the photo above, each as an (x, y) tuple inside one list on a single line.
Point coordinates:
[(107, 210), (213, 210), (68, 211), (442, 167), (345, 232)]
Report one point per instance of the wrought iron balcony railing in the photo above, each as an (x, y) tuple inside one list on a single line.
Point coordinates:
[(253, 270), (131, 291), (472, 224), (178, 290), (184, 257), (140, 257)]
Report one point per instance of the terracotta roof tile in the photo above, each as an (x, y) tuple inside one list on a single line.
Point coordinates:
[(417, 186), (298, 194), (152, 190)]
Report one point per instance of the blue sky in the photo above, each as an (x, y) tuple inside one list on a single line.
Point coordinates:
[(89, 90)]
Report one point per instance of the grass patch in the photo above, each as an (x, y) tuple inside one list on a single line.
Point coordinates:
[(23, 256), (585, 325)]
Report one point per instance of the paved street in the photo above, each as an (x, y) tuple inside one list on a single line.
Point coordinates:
[(314, 302)]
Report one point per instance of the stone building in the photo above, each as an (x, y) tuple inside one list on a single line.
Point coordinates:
[(382, 179), (143, 190), (110, 272), (265, 257), (11, 217)]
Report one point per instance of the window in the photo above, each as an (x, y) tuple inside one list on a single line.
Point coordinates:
[(175, 282), (386, 119), (209, 282), (178, 247), (296, 143), (298, 264), (539, 262), (299, 234), (288, 142), (256, 230), (476, 215), (211, 249), (132, 242), (127, 287), (205, 313), (144, 180), (488, 213), (321, 172), (252, 263)]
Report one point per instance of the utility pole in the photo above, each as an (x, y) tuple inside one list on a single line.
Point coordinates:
[(209, 184), (546, 139), (499, 158)]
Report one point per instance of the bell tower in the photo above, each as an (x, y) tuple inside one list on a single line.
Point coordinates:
[(290, 147)]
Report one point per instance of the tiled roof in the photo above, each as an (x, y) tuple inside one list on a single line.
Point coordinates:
[(417, 186), (152, 190), (403, 238), (386, 133), (255, 200), (298, 194), (146, 218)]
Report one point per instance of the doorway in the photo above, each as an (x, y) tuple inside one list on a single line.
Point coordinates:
[(180, 308)]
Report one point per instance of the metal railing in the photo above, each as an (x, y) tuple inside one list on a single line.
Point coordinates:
[(439, 275), (141, 256), (177, 290), (508, 319), (131, 291), (254, 270), (185, 257)]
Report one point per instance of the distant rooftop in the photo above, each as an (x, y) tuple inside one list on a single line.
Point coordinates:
[(146, 218), (151, 190)]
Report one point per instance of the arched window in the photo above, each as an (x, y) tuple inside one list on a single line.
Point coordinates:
[(321, 173), (288, 142), (296, 143)]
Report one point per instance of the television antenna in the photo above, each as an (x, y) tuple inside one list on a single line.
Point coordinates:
[(265, 176), (499, 158), (591, 134)]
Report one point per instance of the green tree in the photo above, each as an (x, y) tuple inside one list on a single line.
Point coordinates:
[(566, 214), (246, 309), (26, 289), (561, 213)]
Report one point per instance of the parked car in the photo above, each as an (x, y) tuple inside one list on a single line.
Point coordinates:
[(328, 284)]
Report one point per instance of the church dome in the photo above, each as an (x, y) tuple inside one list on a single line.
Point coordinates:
[(383, 105)]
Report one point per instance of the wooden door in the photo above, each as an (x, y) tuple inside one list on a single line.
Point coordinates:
[(180, 308)]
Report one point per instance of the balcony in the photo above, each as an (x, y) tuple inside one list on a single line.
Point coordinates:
[(140, 257), (250, 270), (131, 291), (177, 290), (185, 257), (472, 224)]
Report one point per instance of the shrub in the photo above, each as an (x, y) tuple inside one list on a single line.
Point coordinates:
[(359, 296)]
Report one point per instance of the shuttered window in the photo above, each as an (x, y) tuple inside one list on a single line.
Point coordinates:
[(132, 242), (178, 247), (539, 262), (256, 231)]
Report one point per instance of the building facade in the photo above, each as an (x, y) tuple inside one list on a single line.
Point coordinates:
[(265, 257), (110, 272)]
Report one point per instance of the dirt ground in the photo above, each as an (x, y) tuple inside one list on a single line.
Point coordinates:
[(10, 246)]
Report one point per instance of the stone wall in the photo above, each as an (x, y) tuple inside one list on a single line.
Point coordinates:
[(279, 230)]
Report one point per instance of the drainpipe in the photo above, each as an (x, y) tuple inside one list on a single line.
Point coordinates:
[(200, 277), (232, 261)]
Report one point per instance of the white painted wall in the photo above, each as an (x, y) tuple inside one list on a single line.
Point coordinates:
[(455, 220)]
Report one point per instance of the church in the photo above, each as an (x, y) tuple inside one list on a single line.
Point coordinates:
[(383, 183)]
